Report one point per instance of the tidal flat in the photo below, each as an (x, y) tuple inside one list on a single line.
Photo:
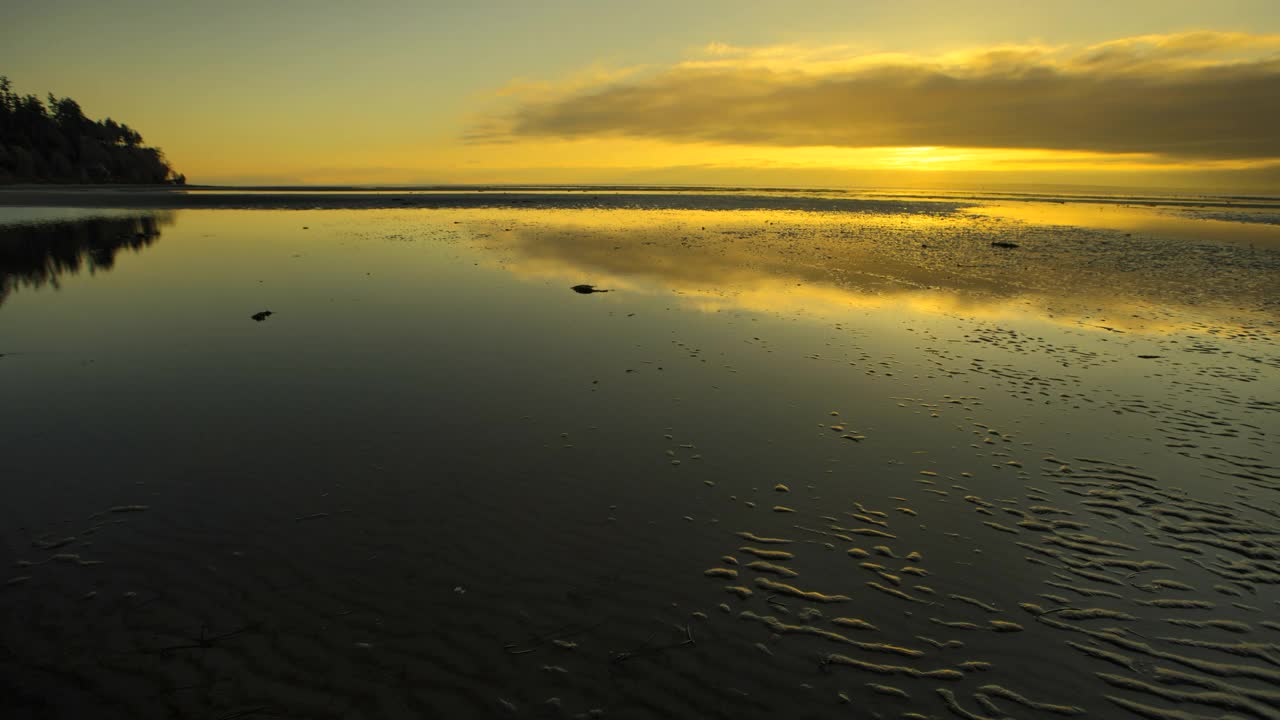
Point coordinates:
[(883, 454)]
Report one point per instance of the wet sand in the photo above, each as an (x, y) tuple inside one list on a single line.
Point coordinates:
[(809, 457)]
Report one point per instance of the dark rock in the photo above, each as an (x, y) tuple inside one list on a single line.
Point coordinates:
[(1004, 244), (586, 289), (260, 316)]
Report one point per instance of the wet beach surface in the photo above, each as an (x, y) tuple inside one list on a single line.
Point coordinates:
[(811, 456)]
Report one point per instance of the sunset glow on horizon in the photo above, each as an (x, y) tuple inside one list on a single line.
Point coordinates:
[(1168, 95)]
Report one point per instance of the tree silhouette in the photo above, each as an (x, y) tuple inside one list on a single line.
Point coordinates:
[(55, 142)]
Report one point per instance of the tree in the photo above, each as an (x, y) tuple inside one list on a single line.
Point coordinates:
[(58, 143)]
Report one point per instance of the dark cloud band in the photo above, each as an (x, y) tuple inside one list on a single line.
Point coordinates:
[(1110, 101)]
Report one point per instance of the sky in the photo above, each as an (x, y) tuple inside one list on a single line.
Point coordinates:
[(1179, 94)]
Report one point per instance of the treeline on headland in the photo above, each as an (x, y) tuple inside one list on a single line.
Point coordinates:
[(56, 143)]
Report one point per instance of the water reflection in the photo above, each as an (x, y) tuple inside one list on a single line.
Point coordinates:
[(35, 255), (435, 460), (1243, 226), (830, 263)]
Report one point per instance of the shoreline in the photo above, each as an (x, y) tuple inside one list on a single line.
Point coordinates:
[(577, 196)]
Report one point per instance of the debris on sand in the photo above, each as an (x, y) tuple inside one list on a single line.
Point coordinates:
[(586, 289), (260, 316), (1004, 244)]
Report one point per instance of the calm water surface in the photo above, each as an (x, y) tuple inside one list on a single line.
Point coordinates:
[(801, 460)]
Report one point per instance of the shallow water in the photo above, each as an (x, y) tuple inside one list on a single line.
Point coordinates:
[(1011, 481)]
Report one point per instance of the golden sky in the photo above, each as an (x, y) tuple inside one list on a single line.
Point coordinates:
[(910, 93)]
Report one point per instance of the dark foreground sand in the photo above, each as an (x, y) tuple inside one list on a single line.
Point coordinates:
[(838, 462)]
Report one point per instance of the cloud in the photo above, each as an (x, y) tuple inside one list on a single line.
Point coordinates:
[(1196, 96)]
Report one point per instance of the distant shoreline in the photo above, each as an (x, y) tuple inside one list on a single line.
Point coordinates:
[(570, 196)]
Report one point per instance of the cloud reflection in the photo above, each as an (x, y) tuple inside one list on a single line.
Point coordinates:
[(831, 263)]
